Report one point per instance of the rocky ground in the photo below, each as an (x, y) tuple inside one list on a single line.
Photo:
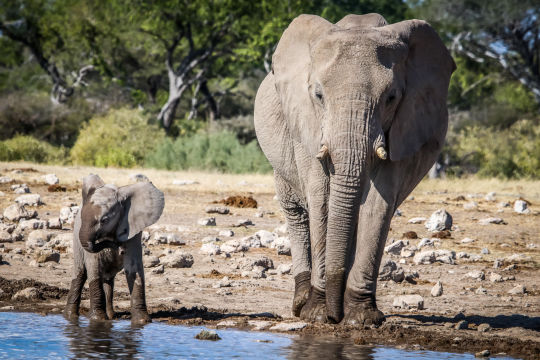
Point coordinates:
[(461, 270)]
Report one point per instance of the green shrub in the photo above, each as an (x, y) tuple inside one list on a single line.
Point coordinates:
[(217, 151), (510, 153), (27, 148), (122, 138)]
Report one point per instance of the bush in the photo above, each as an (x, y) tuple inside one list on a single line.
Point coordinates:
[(217, 151), (27, 148), (508, 153), (122, 138)]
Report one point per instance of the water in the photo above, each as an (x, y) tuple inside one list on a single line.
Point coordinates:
[(32, 336)]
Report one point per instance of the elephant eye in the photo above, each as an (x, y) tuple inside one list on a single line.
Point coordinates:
[(104, 220)]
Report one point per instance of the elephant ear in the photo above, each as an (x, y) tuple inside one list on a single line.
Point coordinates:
[(290, 66), (90, 184), (361, 21), (142, 205), (422, 115)]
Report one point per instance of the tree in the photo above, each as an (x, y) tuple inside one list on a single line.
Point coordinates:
[(505, 33)]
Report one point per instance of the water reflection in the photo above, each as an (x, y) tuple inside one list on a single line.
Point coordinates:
[(100, 339), (327, 348)]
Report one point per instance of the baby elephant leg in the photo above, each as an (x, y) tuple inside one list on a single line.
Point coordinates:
[(108, 287), (133, 267), (74, 296)]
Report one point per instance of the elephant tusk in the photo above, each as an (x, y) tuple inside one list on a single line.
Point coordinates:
[(381, 153), (323, 152)]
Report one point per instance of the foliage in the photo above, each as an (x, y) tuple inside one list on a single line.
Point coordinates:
[(27, 148), (121, 138), (217, 151), (508, 153)]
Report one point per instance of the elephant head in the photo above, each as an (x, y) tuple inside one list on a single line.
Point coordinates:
[(357, 94), (111, 215)]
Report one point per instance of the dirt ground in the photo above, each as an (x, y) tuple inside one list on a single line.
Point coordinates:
[(193, 296)]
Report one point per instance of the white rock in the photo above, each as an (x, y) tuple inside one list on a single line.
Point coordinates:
[(437, 289), (51, 179), (16, 212), (174, 239), (226, 233), (471, 205), (491, 220), (160, 269), (283, 245), (480, 291), (284, 269), (243, 222), (150, 261), (62, 240), (467, 240), (490, 196), (67, 214), (226, 324), (283, 326), (409, 302), (390, 271), (251, 241), (494, 277), (395, 247), (233, 246), (37, 238), (426, 242), (439, 220), (462, 255), (408, 251), (185, 182), (503, 204), (29, 293), (32, 224), (210, 239), (217, 210), (54, 223), (476, 274), (282, 229), (210, 221), (424, 257), (5, 179), (48, 255), (267, 238), (518, 289), (29, 199), (518, 258), (520, 207), (259, 325), (416, 220), (177, 259), (210, 249), (5, 237)]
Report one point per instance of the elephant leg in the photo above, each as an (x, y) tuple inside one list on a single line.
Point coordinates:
[(108, 287), (298, 229), (74, 295), (360, 307), (133, 267), (97, 300), (315, 308)]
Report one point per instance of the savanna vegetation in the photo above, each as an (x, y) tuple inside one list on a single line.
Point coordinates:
[(171, 84)]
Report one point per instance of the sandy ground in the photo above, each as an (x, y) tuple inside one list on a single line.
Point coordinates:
[(193, 296)]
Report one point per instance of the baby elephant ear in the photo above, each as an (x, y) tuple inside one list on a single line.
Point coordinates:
[(142, 205), (90, 184)]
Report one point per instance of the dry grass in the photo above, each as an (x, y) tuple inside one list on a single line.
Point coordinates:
[(257, 183)]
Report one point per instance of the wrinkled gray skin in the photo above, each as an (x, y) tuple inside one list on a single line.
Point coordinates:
[(107, 239), (351, 118)]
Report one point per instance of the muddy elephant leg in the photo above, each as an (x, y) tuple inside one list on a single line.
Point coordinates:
[(360, 307), (133, 266), (108, 288), (74, 294), (298, 230), (315, 307), (97, 299)]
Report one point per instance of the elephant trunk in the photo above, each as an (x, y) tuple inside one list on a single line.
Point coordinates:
[(354, 143)]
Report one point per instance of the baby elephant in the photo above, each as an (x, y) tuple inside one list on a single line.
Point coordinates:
[(107, 239)]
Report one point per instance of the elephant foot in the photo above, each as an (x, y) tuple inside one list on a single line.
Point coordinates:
[(315, 308), (361, 310), (97, 315), (302, 285), (71, 312), (140, 317)]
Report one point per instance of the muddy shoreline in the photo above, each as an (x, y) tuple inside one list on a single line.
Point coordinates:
[(479, 309)]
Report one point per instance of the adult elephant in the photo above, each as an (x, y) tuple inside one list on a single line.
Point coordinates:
[(351, 117), (107, 239)]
